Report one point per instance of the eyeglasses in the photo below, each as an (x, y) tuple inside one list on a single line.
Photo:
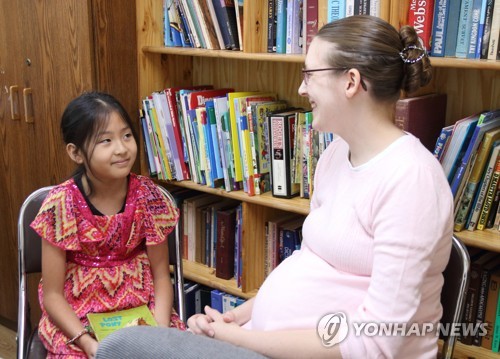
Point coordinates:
[(307, 74)]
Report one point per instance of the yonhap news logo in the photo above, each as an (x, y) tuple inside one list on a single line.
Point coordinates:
[(333, 328)]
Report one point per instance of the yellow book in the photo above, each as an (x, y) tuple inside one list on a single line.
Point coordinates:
[(162, 150), (233, 113), (103, 324)]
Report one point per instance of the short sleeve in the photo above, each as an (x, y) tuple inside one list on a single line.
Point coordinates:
[(157, 215)]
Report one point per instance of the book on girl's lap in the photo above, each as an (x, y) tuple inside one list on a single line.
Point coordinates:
[(103, 324)]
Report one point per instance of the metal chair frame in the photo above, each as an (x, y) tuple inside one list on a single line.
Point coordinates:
[(29, 262), (454, 292)]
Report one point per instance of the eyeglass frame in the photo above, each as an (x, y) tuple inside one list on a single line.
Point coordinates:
[(306, 73)]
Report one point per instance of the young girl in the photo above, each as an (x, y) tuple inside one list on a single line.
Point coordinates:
[(104, 232)]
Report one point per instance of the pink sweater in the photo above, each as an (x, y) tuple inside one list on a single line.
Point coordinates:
[(375, 243)]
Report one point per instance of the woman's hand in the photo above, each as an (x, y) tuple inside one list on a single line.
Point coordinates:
[(202, 324)]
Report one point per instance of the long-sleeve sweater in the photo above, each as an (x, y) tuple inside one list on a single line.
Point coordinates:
[(375, 244)]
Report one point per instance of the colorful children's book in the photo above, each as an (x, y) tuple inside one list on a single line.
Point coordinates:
[(103, 324)]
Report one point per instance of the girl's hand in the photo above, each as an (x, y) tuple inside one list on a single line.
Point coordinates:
[(89, 345)]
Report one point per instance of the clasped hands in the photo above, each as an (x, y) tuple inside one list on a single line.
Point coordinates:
[(213, 323)]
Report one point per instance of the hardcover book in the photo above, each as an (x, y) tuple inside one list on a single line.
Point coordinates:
[(452, 30), (103, 324), (281, 136), (420, 15), (226, 223), (441, 14), (226, 16), (422, 116)]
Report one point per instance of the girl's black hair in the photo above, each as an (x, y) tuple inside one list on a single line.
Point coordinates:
[(85, 116)]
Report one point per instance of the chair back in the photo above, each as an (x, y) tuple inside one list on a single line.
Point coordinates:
[(175, 257), (29, 261), (454, 293)]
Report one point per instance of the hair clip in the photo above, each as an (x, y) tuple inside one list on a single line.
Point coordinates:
[(404, 54)]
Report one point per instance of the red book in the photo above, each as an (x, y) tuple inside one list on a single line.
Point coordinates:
[(198, 98), (420, 15), (178, 132), (226, 225), (423, 117)]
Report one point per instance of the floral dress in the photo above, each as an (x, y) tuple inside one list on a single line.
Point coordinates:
[(107, 265)]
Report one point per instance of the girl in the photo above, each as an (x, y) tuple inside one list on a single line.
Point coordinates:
[(104, 232)]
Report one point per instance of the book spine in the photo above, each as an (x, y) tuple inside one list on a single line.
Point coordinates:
[(226, 221), (490, 193), (490, 312), (464, 26), (481, 304), (311, 22), (474, 28), (271, 26), (452, 30), (495, 32), (420, 16), (281, 27), (494, 208), (336, 10), (480, 32), (488, 17), (441, 13)]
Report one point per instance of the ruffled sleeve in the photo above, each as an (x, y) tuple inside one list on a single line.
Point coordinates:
[(155, 216), (56, 220)]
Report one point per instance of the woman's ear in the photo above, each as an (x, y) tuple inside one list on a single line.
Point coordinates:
[(353, 82), (74, 153)]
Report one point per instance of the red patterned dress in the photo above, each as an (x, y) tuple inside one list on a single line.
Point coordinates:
[(107, 265)]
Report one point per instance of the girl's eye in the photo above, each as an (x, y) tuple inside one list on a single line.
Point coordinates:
[(104, 140), (128, 135)]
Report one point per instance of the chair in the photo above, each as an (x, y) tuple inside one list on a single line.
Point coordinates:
[(29, 261), (454, 293)]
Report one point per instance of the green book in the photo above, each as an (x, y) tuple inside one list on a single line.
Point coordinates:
[(103, 324)]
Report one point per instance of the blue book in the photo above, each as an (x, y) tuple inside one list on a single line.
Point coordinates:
[(281, 27), (167, 35), (336, 10), (464, 27), (443, 138), (211, 122), (216, 299), (195, 143), (477, 6), (480, 31), (488, 18), (452, 29), (441, 14)]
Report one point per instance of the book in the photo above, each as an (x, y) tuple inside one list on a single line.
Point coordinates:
[(441, 14), (147, 144), (310, 22), (442, 141), (103, 324), (495, 33), (335, 10), (226, 222), (486, 269), (281, 23), (420, 15), (238, 10), (216, 299), (481, 190), (475, 19), (206, 24), (460, 138), (216, 25), (294, 27), (480, 161), (490, 190), (422, 116), (464, 27), (491, 308), (271, 25), (494, 208), (226, 16), (281, 140), (488, 18), (480, 33), (452, 29)]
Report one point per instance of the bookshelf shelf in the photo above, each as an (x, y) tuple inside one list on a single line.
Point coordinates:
[(202, 274), (295, 205), (465, 63), (224, 54), (488, 239)]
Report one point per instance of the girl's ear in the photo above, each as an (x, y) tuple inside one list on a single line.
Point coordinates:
[(353, 82), (74, 153)]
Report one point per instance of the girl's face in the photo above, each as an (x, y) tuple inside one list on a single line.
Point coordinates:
[(115, 151), (322, 88)]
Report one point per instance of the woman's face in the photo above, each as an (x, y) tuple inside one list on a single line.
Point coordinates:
[(322, 88)]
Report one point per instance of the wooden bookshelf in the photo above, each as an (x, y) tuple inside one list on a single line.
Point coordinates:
[(471, 85)]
